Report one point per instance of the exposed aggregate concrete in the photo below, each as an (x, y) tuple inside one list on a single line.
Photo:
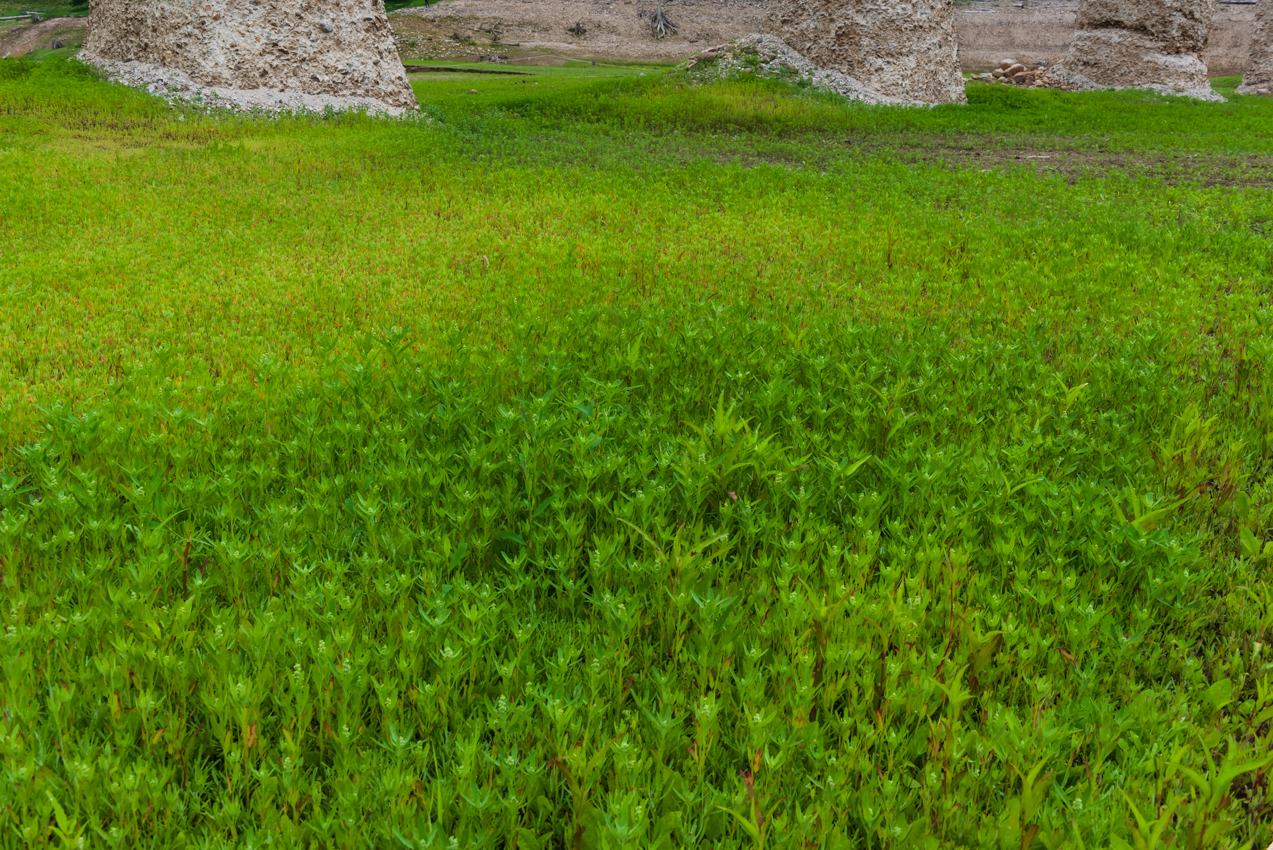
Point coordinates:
[(1258, 78), (332, 48), (177, 87), (905, 49), (1145, 44)]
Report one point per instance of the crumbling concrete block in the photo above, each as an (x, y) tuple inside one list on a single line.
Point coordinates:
[(905, 49), (1153, 44), (1258, 78), (323, 47)]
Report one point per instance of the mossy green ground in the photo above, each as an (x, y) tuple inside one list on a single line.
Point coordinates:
[(608, 460)]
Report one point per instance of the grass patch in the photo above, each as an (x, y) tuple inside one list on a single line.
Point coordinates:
[(46, 9), (614, 461)]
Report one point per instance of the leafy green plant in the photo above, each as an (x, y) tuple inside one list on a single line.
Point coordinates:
[(490, 481)]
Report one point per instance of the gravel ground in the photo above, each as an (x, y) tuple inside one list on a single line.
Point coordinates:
[(177, 87), (769, 56)]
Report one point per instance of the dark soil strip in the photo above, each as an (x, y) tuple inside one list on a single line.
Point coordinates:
[(431, 69)]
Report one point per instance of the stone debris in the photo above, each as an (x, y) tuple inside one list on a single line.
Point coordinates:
[(904, 49), (1258, 78), (177, 88), (1016, 74), (769, 56), (1143, 44), (332, 48)]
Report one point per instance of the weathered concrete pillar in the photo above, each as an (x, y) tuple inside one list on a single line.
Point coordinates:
[(1258, 78), (330, 47), (1153, 44), (905, 49)]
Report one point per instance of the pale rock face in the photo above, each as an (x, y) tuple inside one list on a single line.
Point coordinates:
[(321, 47), (905, 49), (1258, 78), (1153, 44), (1177, 26)]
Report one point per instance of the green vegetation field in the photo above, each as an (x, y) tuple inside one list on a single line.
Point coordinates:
[(608, 461), (46, 8)]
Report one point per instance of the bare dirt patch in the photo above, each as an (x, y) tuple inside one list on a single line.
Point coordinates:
[(544, 30), (1209, 169), (552, 30), (24, 38)]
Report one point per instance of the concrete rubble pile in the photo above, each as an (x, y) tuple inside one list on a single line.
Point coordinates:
[(337, 49), (1016, 74), (1258, 78), (1149, 44), (903, 49)]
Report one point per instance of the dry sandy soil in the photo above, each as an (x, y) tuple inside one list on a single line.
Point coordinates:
[(529, 30), (540, 30)]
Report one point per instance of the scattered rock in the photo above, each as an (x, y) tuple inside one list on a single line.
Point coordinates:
[(1148, 44), (907, 50), (334, 48), (578, 30), (1015, 73), (1258, 78)]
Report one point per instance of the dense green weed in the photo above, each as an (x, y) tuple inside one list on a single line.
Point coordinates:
[(627, 572), (209, 235), (725, 490)]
